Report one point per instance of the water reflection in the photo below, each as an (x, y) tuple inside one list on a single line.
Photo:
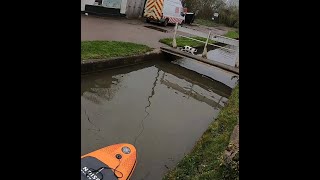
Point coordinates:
[(160, 107)]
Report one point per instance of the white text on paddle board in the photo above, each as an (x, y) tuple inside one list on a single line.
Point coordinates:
[(89, 174)]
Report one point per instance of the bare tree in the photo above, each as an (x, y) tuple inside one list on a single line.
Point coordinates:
[(206, 8)]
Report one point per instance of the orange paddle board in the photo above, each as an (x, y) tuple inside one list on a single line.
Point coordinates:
[(115, 162)]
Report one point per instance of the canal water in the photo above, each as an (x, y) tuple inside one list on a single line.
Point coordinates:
[(160, 107)]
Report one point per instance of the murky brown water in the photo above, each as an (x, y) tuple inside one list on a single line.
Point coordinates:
[(160, 107)]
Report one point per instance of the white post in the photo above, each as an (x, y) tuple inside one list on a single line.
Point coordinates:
[(204, 54), (237, 58), (174, 41)]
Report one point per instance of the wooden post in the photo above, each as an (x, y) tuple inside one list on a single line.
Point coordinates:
[(204, 54), (174, 41)]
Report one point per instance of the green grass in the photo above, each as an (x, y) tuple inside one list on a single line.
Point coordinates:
[(181, 41), (205, 22), (110, 49), (204, 160), (232, 34)]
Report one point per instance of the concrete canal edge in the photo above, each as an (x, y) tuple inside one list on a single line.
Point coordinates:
[(220, 65), (94, 65)]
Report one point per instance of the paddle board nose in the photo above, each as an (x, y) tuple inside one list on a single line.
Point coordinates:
[(116, 161)]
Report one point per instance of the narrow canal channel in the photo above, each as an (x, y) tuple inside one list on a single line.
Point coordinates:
[(161, 107)]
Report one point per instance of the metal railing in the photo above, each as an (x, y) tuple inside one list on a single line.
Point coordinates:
[(209, 36)]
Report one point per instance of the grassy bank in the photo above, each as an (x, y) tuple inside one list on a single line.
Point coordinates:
[(181, 41), (232, 34), (206, 22), (110, 49), (204, 160)]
